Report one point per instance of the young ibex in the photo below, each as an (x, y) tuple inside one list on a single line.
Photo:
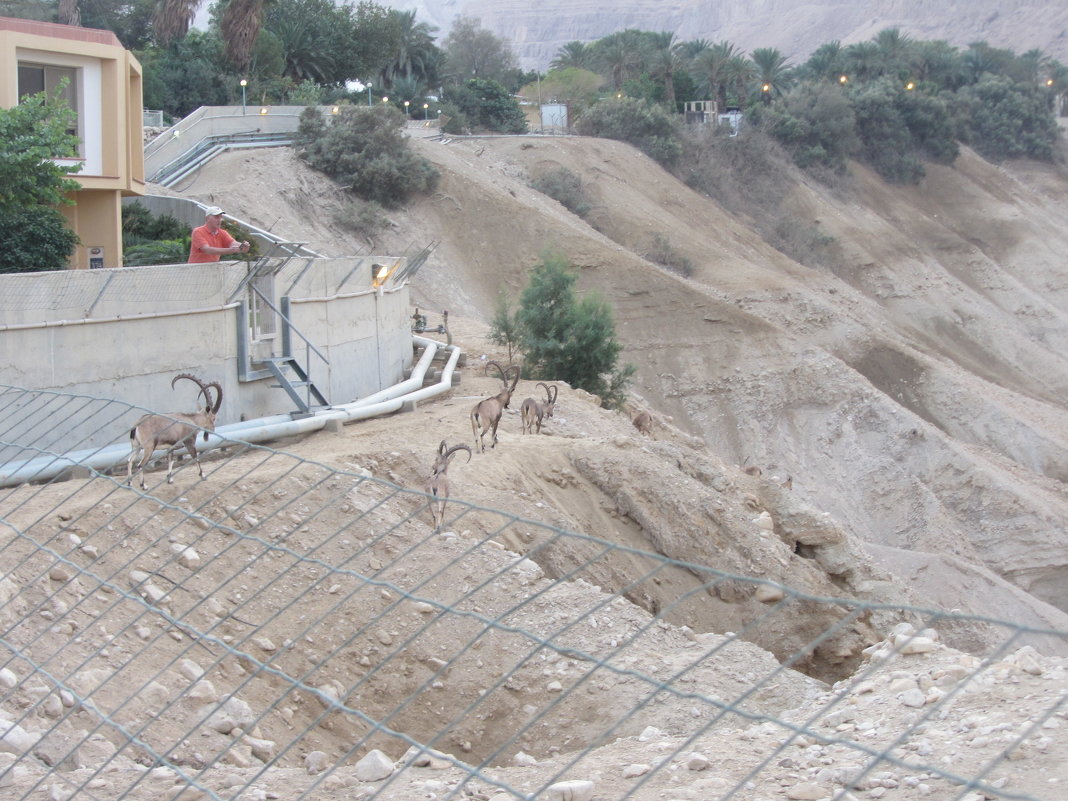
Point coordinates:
[(171, 430), (533, 411), (438, 483), (487, 413), (643, 421)]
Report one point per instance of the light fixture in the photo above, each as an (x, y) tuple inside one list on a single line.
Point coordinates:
[(263, 110), (910, 86), (379, 274), (334, 110), (843, 79), (385, 98), (244, 83), (426, 106), (368, 94)]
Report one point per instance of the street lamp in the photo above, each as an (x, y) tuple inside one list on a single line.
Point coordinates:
[(406, 108), (426, 106), (385, 98), (244, 83), (368, 94), (910, 86), (842, 79)]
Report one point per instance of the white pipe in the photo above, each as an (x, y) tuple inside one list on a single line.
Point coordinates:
[(44, 468)]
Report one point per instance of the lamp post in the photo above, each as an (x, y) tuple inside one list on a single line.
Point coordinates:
[(406, 108), (244, 83), (368, 94), (426, 107)]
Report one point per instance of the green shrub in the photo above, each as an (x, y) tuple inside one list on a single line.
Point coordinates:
[(1002, 119), (504, 327), (564, 186), (487, 106), (664, 253), (648, 127), (365, 151), (141, 225), (169, 251), (48, 248), (814, 122), (886, 142), (365, 217), (569, 339)]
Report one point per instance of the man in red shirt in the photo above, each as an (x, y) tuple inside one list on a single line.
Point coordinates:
[(210, 241)]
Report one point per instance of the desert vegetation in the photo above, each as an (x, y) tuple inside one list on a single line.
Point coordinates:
[(561, 336)]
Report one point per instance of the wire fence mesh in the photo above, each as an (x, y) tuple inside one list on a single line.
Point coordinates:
[(287, 629)]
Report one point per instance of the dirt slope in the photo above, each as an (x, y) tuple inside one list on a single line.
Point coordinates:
[(912, 387)]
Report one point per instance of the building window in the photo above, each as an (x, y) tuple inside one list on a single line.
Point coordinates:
[(36, 78)]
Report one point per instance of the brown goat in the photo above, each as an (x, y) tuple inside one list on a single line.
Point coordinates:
[(532, 412), (438, 483), (643, 421), (486, 415), (153, 431)]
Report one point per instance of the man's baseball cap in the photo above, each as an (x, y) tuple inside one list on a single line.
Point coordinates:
[(212, 211)]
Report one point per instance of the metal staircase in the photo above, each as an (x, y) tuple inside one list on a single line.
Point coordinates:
[(279, 367), (289, 372)]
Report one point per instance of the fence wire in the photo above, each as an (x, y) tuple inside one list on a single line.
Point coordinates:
[(286, 629)]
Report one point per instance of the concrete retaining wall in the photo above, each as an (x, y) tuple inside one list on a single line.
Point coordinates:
[(124, 333)]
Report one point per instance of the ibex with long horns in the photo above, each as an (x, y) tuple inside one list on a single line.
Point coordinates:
[(438, 483), (486, 415), (533, 412), (153, 431)]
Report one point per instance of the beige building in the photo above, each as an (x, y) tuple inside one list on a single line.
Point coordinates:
[(104, 88)]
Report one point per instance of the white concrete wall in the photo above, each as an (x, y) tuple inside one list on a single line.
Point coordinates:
[(124, 333)]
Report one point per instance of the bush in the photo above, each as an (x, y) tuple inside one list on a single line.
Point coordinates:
[(886, 142), (48, 248), (486, 105), (664, 253), (567, 339), (364, 150), (814, 122), (648, 127), (141, 225), (565, 187), (1002, 119), (170, 251)]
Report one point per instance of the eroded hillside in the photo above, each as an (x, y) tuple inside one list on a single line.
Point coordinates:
[(912, 386)]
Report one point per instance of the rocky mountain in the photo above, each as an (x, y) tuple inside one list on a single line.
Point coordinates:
[(537, 30)]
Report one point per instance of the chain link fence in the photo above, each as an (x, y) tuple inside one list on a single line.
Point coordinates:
[(290, 630)]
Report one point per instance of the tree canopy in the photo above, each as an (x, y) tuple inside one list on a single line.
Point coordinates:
[(32, 184)]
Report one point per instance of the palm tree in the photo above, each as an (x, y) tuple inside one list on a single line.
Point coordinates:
[(710, 67), (573, 54), (938, 62), (662, 61), (688, 51), (739, 74), (826, 62), (415, 56), (896, 51), (771, 71), (619, 55), (240, 25), (863, 61)]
